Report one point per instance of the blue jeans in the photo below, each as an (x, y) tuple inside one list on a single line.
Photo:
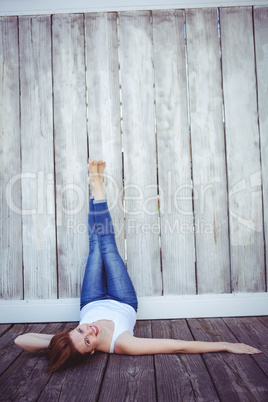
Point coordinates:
[(106, 276)]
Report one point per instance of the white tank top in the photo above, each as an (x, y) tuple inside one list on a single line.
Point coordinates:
[(122, 315)]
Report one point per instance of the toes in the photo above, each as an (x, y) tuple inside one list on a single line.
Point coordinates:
[(91, 163), (100, 165)]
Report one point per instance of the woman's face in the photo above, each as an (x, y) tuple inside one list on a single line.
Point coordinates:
[(86, 338)]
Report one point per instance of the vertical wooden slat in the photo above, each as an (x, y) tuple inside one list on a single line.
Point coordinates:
[(70, 150), (104, 136), (261, 43), (38, 204), (243, 150), (208, 152), (142, 232), (10, 209), (174, 162)]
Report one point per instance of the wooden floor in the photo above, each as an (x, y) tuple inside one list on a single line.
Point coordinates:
[(103, 377)]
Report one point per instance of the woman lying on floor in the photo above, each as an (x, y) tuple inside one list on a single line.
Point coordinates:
[(109, 303)]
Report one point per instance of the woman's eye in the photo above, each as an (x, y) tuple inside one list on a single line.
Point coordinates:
[(80, 330), (87, 341)]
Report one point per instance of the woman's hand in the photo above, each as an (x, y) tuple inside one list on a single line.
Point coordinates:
[(241, 348), (33, 342)]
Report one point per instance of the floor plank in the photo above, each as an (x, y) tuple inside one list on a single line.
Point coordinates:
[(9, 351), (130, 378), (237, 377), (180, 377), (103, 377), (264, 320), (252, 332), (80, 383), (27, 375), (4, 328)]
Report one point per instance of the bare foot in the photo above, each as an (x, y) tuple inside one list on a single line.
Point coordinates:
[(93, 170), (93, 167), (96, 169), (101, 167)]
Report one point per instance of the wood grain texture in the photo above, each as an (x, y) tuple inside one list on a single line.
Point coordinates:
[(104, 131), (142, 231), (81, 383), (70, 150), (230, 375), (251, 331), (243, 150), (11, 277), (261, 49), (264, 321), (173, 146), (34, 370), (9, 352), (180, 377), (130, 378), (208, 152), (37, 160), (4, 328), (114, 86), (229, 371)]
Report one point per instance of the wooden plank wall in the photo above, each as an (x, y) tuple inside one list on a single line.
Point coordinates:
[(176, 103)]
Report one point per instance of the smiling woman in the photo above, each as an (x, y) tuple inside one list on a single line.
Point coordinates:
[(109, 303)]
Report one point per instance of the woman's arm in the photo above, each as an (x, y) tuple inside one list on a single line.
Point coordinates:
[(128, 344), (32, 342)]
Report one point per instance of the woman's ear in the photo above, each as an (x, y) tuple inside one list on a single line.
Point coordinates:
[(92, 352)]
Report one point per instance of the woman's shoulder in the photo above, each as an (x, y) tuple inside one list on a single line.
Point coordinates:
[(121, 343)]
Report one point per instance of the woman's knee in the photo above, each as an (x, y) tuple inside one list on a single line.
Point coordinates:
[(108, 245)]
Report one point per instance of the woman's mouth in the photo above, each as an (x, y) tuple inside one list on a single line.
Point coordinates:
[(95, 329)]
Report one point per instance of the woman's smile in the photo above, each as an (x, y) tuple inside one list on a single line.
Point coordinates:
[(95, 329)]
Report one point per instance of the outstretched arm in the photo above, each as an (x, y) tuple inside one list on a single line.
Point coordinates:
[(32, 342), (128, 344)]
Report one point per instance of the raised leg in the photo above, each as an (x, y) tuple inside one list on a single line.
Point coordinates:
[(119, 284), (94, 282)]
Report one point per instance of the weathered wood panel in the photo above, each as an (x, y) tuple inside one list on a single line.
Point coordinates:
[(77, 104), (34, 368), (104, 131), (228, 373), (188, 380), (10, 160), (243, 150), (252, 332), (261, 46), (174, 161), (208, 152), (10, 352), (142, 232), (37, 161), (166, 377), (70, 139)]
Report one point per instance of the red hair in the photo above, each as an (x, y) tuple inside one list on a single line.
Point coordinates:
[(62, 353)]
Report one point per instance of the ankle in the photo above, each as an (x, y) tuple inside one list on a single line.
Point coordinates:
[(98, 191)]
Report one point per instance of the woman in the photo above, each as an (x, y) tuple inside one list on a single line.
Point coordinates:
[(109, 303)]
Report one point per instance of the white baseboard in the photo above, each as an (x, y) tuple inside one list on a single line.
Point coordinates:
[(38, 7), (150, 308)]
